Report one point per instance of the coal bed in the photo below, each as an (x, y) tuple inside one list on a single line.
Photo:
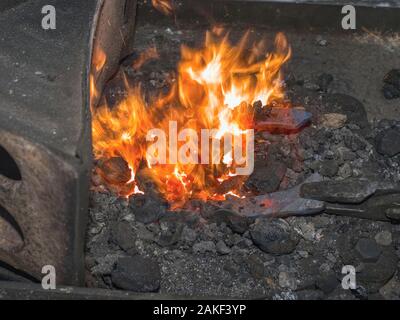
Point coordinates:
[(340, 169)]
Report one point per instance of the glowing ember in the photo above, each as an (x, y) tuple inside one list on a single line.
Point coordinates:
[(216, 88)]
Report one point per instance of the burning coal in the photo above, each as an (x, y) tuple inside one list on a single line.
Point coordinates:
[(213, 97)]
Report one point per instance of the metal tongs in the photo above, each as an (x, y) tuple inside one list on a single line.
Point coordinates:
[(362, 198)]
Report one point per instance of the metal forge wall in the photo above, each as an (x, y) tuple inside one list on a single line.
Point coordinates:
[(45, 128)]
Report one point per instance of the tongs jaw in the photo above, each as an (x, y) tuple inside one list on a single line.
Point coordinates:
[(362, 198)]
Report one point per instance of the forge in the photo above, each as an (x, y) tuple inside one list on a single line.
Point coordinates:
[(219, 148)]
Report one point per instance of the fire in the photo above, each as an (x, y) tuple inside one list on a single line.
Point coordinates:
[(216, 88), (164, 6), (98, 62)]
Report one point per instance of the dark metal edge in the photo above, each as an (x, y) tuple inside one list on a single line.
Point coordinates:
[(282, 15)]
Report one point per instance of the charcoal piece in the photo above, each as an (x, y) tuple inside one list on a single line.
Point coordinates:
[(188, 236), (258, 107), (222, 248), (368, 250), (147, 208), (114, 171), (267, 176), (327, 282), (284, 120), (204, 246), (188, 218), (360, 292), (324, 80), (388, 142), (274, 236), (348, 105), (256, 266), (391, 87), (168, 239), (384, 238), (235, 222), (238, 224), (345, 171), (374, 275), (354, 142), (136, 274), (329, 168), (344, 155), (171, 236), (292, 81), (390, 92), (232, 183), (122, 235)]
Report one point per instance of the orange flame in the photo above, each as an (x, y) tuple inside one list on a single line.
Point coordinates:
[(164, 6), (98, 62), (215, 89)]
